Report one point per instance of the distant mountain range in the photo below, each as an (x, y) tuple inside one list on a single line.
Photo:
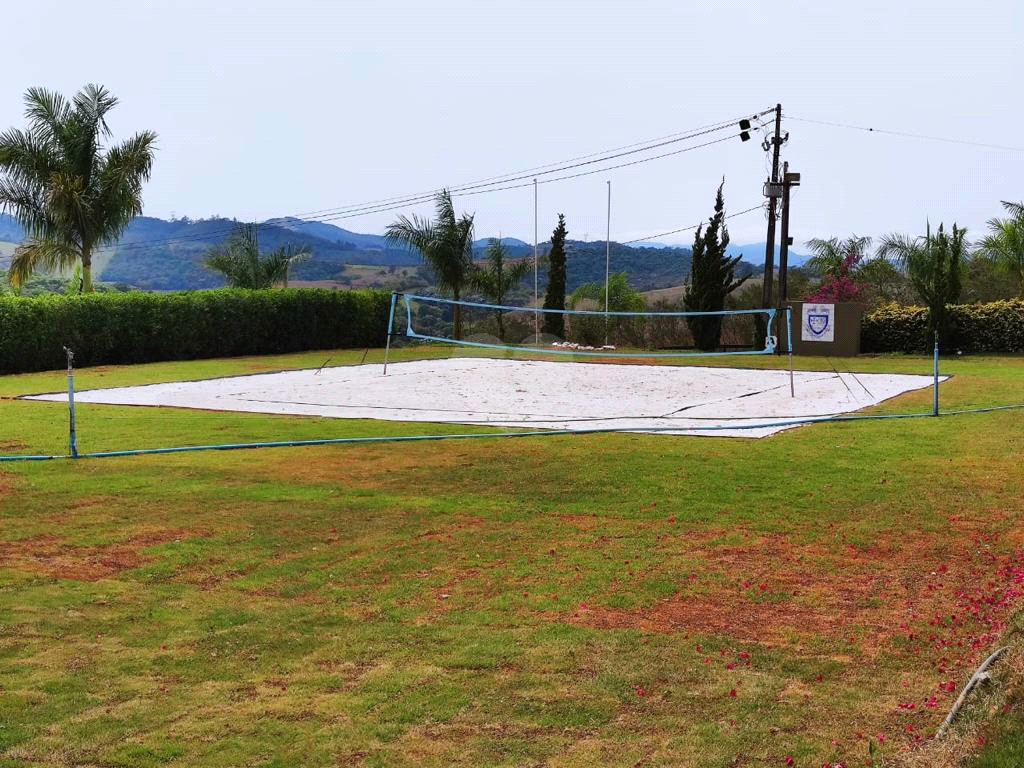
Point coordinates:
[(161, 255), (754, 253)]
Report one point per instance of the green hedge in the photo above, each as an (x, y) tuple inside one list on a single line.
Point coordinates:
[(115, 328), (994, 327)]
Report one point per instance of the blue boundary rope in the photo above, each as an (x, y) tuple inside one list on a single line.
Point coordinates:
[(492, 435)]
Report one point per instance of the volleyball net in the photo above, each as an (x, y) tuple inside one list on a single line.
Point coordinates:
[(585, 331)]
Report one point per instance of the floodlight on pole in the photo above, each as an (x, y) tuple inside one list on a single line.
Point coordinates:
[(744, 130)]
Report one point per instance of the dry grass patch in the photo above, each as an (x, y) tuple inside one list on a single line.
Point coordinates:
[(54, 556)]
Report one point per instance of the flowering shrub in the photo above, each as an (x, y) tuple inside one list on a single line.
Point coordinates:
[(840, 287)]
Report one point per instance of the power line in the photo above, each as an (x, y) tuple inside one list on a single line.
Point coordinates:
[(482, 187), (907, 135), (466, 189), (758, 207), (471, 192), (678, 135), (485, 187)]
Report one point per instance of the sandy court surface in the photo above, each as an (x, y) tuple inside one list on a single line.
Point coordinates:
[(533, 394)]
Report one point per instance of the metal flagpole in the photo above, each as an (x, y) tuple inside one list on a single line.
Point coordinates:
[(536, 313), (607, 261)]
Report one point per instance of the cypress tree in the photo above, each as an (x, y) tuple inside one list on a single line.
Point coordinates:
[(712, 278), (554, 324)]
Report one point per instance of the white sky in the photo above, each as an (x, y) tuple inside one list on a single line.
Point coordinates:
[(270, 109)]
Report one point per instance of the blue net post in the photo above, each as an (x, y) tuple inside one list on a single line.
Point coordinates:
[(72, 433), (391, 326), (789, 348), (935, 376)]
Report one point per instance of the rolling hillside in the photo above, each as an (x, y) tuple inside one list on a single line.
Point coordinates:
[(155, 254)]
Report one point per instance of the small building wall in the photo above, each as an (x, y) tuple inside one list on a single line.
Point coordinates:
[(844, 332)]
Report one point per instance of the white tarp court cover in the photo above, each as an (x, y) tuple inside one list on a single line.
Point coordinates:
[(725, 402)]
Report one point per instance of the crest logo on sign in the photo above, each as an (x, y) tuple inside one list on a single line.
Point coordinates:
[(818, 322)]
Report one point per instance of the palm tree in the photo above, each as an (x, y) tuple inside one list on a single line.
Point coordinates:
[(445, 244), (1005, 243), (830, 255), (70, 194), (498, 278), (935, 266), (240, 260)]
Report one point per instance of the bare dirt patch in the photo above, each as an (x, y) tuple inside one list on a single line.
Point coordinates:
[(54, 556), (942, 598)]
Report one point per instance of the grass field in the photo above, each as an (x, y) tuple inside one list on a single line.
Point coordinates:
[(614, 599)]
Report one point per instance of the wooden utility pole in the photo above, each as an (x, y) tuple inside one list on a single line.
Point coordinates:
[(772, 192), (789, 180)]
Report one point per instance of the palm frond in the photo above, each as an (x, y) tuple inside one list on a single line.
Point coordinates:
[(24, 156), (120, 176), (1014, 209), (92, 104), (898, 248), (47, 112), (35, 255), (445, 209), (416, 233), (27, 202)]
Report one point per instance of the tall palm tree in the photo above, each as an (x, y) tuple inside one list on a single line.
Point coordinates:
[(70, 193), (498, 278), (240, 260), (935, 265), (445, 244), (1004, 244)]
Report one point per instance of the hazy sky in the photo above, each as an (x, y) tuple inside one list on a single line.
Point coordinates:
[(270, 109)]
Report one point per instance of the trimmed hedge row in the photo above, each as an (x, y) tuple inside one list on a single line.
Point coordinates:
[(116, 328), (994, 327)]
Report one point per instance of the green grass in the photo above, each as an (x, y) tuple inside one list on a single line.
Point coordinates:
[(566, 601)]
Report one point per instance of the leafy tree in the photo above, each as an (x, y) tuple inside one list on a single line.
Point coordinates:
[(1004, 244), (445, 244), (70, 196), (935, 265), (240, 261), (554, 323), (712, 278), (986, 280), (592, 329), (498, 278), (883, 282)]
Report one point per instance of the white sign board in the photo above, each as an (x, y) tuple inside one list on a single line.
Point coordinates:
[(819, 322)]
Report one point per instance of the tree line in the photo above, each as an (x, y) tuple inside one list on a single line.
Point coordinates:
[(72, 195)]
